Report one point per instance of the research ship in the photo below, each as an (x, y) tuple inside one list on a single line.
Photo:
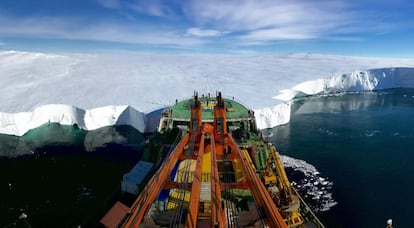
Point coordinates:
[(220, 173)]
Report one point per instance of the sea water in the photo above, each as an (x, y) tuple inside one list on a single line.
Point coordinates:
[(364, 144), (62, 176)]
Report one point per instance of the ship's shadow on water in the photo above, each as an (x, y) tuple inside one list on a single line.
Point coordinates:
[(362, 143), (64, 175)]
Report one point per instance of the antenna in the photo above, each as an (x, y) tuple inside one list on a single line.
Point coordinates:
[(208, 85)]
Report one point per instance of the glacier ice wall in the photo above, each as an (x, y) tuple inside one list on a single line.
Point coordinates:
[(367, 80), (19, 123), (272, 116)]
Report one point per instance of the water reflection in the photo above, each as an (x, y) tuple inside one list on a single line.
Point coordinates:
[(51, 134), (338, 103)]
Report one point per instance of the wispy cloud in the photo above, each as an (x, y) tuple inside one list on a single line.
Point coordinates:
[(278, 34), (36, 26), (204, 32), (133, 35), (75, 28), (153, 8), (156, 8), (245, 14), (269, 20)]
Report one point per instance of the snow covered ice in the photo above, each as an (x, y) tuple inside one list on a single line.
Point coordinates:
[(128, 86)]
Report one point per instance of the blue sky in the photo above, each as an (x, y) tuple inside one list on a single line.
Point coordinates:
[(359, 28)]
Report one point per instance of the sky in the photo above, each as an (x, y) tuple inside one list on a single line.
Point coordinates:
[(243, 27)]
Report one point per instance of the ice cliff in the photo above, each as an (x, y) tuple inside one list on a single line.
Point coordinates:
[(19, 123), (272, 116), (367, 80)]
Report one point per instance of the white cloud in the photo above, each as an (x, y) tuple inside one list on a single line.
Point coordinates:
[(203, 32), (130, 34), (153, 8), (37, 26), (246, 14), (281, 20), (277, 34), (75, 28), (156, 8)]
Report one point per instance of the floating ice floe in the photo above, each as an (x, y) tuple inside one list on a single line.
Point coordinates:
[(314, 188)]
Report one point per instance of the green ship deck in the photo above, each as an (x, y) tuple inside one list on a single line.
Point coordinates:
[(179, 114), (234, 110)]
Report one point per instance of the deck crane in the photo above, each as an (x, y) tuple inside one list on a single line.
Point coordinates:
[(193, 146), (201, 175)]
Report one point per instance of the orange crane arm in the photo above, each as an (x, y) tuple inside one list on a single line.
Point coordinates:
[(259, 191), (154, 186), (217, 214), (195, 189)]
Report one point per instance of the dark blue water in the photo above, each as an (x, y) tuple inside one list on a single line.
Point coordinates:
[(62, 176), (364, 144)]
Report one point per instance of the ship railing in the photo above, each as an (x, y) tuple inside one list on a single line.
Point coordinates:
[(173, 145), (308, 211)]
